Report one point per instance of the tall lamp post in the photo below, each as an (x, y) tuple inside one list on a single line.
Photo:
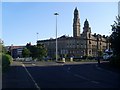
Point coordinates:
[(56, 35), (37, 35), (109, 42), (98, 58), (12, 50)]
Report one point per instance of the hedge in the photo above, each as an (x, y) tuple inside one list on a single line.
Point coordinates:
[(6, 61)]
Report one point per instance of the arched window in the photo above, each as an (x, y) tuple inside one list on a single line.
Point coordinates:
[(89, 42), (89, 35)]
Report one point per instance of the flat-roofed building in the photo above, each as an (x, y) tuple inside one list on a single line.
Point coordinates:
[(16, 51)]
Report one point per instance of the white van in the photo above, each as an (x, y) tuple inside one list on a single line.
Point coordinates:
[(107, 54)]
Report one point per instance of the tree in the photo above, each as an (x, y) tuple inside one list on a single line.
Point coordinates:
[(37, 51), (2, 48), (33, 51), (115, 37), (25, 52), (115, 42), (100, 53), (41, 51)]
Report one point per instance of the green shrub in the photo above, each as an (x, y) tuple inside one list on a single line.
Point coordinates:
[(6, 61)]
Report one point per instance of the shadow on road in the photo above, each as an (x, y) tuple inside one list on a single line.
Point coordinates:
[(107, 66), (61, 76), (16, 77)]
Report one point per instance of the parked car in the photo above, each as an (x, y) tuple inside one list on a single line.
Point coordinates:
[(107, 54)]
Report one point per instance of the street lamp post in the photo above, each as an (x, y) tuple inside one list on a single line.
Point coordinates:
[(37, 35), (56, 35), (98, 58), (12, 50), (109, 41)]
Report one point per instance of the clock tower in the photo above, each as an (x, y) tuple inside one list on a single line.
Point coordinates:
[(76, 24)]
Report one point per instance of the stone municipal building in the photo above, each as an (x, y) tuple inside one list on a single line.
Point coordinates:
[(81, 44)]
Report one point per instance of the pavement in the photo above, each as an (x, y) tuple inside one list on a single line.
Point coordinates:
[(40, 75)]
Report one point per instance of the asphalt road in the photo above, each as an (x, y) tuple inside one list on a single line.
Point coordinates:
[(57, 75)]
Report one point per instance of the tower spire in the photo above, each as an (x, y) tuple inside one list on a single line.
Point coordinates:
[(86, 27), (76, 24), (86, 23), (75, 8)]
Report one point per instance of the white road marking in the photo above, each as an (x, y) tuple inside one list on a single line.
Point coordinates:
[(81, 77), (86, 79), (95, 82), (99, 68), (31, 77), (69, 68)]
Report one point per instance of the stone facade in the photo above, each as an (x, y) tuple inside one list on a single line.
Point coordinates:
[(84, 44)]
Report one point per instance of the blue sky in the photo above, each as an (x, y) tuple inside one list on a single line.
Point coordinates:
[(22, 20)]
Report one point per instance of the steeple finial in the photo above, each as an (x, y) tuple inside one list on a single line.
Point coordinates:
[(76, 10), (86, 23), (75, 7)]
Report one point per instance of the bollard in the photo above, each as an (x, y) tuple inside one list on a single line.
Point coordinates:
[(71, 59)]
